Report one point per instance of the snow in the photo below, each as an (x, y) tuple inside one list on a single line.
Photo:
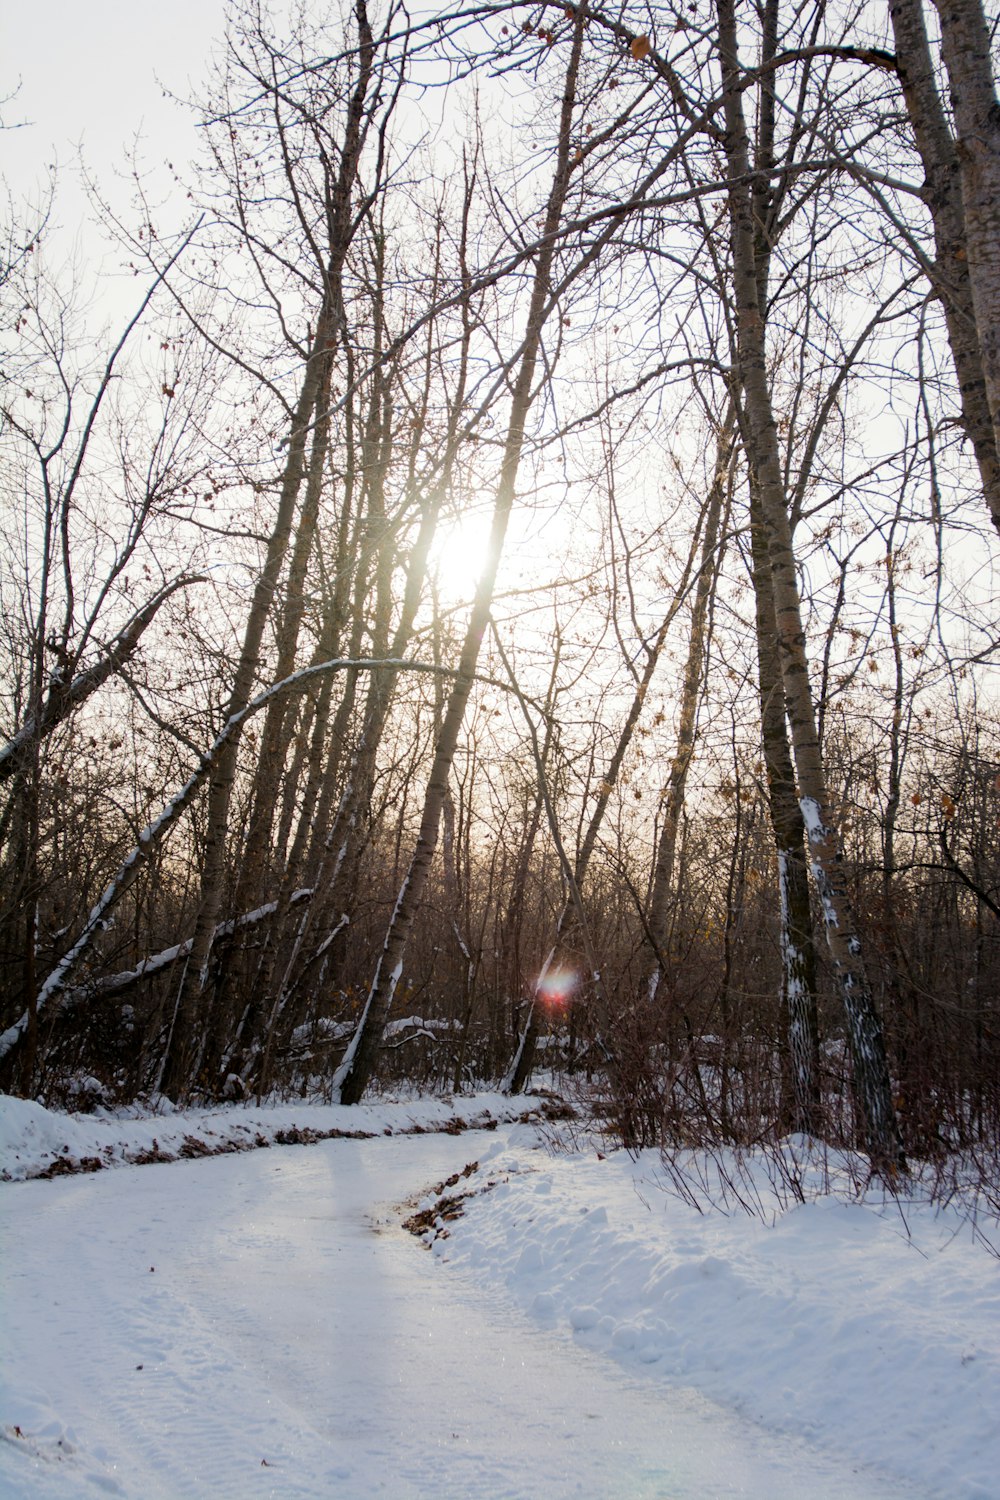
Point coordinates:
[(37, 1142), (259, 1324), (417, 1025), (812, 816), (867, 1326)]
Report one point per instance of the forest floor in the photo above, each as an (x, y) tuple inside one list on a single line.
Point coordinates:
[(568, 1321)]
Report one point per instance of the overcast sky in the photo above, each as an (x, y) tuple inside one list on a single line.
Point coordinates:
[(88, 72)]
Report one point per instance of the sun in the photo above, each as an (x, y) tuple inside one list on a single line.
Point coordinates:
[(458, 556)]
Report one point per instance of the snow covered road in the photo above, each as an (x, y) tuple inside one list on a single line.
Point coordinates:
[(260, 1325)]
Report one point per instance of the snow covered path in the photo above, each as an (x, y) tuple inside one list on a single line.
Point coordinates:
[(259, 1325)]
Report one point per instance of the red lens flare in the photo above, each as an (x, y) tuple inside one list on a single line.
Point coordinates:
[(555, 988)]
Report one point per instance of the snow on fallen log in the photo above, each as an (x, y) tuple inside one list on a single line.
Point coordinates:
[(116, 984), (39, 1142)]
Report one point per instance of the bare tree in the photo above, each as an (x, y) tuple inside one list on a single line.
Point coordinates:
[(340, 225), (86, 603), (356, 1068), (871, 1074), (662, 887), (965, 44), (959, 191)]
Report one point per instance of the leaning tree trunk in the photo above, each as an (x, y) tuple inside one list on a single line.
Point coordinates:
[(277, 729), (873, 1093), (965, 45), (341, 844), (235, 981), (375, 448), (150, 841), (335, 795), (336, 860), (951, 272), (354, 1072)]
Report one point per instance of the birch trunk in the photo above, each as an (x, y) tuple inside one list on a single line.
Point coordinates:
[(873, 1094), (798, 954)]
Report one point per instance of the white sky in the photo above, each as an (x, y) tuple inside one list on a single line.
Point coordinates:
[(88, 72)]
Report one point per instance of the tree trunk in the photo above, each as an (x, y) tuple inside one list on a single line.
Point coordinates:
[(950, 273), (356, 1069), (873, 1093), (659, 905), (180, 1054), (798, 955), (965, 45), (337, 847), (275, 734), (176, 1071)]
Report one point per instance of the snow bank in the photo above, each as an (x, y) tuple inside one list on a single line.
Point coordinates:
[(870, 1327), (39, 1142)]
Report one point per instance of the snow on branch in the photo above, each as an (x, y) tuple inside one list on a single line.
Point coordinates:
[(116, 984)]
